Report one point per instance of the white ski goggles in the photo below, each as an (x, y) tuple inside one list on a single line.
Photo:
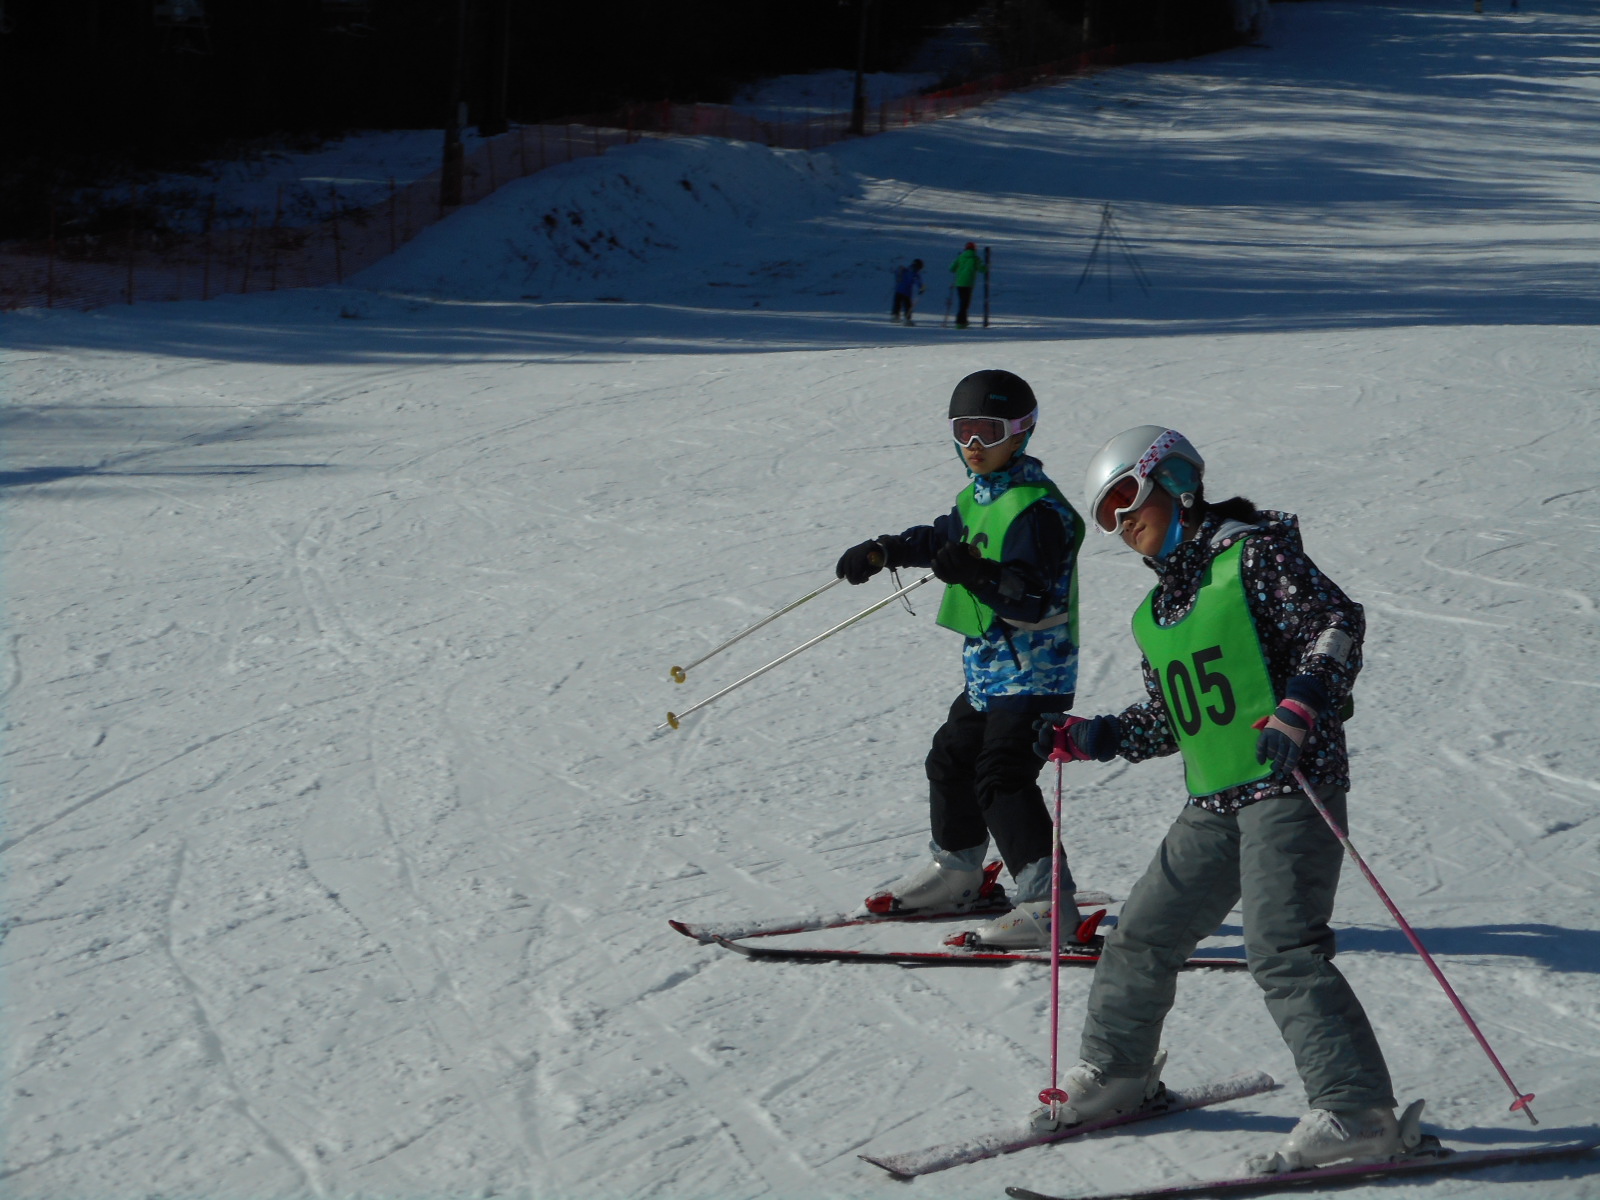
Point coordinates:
[(989, 432), (1121, 496), (1124, 493)]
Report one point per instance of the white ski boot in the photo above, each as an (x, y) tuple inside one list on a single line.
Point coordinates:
[(1093, 1097), (1322, 1137), (935, 888), (1026, 927)]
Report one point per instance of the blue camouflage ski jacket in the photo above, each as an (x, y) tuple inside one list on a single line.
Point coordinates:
[(1009, 667)]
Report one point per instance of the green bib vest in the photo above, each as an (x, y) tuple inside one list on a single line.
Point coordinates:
[(1213, 678), (984, 526)]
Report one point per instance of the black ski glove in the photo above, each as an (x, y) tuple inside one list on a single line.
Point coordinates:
[(860, 563), (1096, 738), (959, 562)]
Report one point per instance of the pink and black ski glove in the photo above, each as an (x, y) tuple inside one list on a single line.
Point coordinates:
[(1063, 738), (1282, 735)]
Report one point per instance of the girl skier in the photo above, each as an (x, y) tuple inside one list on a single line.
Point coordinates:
[(1240, 625)]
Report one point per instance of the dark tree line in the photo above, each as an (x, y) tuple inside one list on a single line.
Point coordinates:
[(92, 89)]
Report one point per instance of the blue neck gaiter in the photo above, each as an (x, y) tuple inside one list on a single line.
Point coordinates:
[(1174, 535)]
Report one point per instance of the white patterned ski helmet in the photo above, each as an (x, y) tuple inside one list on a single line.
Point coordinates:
[(1123, 471)]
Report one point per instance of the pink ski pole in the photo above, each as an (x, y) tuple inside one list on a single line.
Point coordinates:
[(1523, 1100), (1053, 1095)]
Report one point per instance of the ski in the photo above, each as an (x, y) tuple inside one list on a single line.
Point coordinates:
[(989, 905), (1022, 1136), (1080, 956), (1432, 1159), (707, 933)]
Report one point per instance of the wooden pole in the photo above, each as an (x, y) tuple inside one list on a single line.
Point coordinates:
[(277, 222), (50, 263), (450, 170), (205, 271), (133, 211), (338, 248), (249, 252)]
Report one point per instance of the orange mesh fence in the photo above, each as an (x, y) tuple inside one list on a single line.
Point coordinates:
[(266, 253)]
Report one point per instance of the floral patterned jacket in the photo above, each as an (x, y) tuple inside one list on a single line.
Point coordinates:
[(1310, 631)]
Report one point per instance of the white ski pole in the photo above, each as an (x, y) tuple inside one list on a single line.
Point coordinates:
[(681, 674), (673, 719)]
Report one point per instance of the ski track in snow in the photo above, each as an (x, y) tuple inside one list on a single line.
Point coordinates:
[(340, 843)]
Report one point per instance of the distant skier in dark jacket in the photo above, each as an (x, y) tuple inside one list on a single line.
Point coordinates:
[(907, 286), (1240, 625), (1008, 555)]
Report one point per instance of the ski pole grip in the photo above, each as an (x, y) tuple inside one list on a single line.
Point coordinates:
[(1064, 748)]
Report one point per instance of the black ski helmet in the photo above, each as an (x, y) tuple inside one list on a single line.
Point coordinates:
[(993, 394)]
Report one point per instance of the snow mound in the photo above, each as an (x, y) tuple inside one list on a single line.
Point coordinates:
[(656, 204)]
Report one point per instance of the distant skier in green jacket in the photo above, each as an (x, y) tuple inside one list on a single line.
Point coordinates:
[(967, 267)]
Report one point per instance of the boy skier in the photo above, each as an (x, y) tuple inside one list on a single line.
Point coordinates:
[(1240, 625), (906, 281), (966, 268), (1008, 554)]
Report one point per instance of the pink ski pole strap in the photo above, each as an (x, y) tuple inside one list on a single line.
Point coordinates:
[(1305, 713)]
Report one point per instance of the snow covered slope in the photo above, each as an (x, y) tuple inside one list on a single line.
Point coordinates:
[(338, 845)]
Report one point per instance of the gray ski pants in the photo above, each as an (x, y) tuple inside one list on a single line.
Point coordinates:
[(1279, 860)]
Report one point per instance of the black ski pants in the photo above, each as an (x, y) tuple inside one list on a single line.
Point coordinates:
[(983, 781), (963, 303)]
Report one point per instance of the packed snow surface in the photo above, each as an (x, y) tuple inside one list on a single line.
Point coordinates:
[(341, 840)]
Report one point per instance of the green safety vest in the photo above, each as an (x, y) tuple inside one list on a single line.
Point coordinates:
[(1213, 677), (985, 526)]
